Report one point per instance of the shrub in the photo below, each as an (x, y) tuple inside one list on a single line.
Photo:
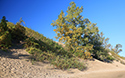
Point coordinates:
[(32, 42), (5, 40), (5, 37), (51, 51), (88, 55), (17, 32), (110, 58), (66, 63), (80, 55), (122, 62)]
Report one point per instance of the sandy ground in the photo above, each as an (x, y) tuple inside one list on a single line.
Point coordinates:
[(102, 74), (16, 64)]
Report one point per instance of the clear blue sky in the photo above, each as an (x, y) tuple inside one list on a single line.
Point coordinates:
[(38, 15)]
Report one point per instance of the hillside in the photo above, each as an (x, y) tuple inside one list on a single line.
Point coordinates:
[(16, 63), (22, 60)]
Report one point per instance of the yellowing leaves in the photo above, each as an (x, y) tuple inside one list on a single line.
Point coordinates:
[(76, 44), (54, 30), (60, 17), (74, 30), (57, 22), (64, 24), (67, 37), (52, 24), (70, 31), (88, 55)]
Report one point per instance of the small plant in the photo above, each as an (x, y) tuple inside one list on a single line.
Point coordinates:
[(66, 63), (110, 58), (122, 62)]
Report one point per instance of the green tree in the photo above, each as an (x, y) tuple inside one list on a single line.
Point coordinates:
[(101, 48), (3, 25), (117, 48), (75, 31), (5, 37)]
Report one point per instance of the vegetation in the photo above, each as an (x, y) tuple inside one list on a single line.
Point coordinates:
[(40, 47), (73, 30), (17, 32), (81, 38), (10, 33), (80, 35), (44, 49), (5, 37)]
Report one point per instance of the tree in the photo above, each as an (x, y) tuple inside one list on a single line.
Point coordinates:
[(75, 32), (5, 37), (21, 22), (116, 49), (3, 25)]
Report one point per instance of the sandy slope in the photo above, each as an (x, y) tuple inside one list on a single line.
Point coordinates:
[(16, 64), (102, 74), (99, 69)]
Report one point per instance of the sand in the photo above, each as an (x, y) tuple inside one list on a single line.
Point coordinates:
[(111, 74), (16, 64)]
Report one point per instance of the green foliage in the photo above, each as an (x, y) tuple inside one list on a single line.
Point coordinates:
[(116, 56), (43, 48), (116, 49), (32, 42), (5, 40), (5, 37), (80, 35), (53, 53), (10, 33), (3, 25), (110, 58), (86, 55), (73, 30), (66, 63), (17, 32)]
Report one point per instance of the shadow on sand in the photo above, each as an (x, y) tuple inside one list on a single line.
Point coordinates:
[(14, 54)]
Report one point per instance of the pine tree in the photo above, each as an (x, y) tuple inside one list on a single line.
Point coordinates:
[(5, 37), (3, 25)]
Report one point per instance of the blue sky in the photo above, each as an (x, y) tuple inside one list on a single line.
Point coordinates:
[(38, 15)]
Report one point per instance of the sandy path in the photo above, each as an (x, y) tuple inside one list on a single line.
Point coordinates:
[(16, 64)]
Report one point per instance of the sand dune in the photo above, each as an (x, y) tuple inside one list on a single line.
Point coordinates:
[(108, 74), (98, 69), (15, 64)]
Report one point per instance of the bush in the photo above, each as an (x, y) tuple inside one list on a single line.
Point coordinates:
[(32, 42), (80, 55), (52, 52), (110, 58), (122, 62), (66, 63), (5, 40), (17, 32)]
